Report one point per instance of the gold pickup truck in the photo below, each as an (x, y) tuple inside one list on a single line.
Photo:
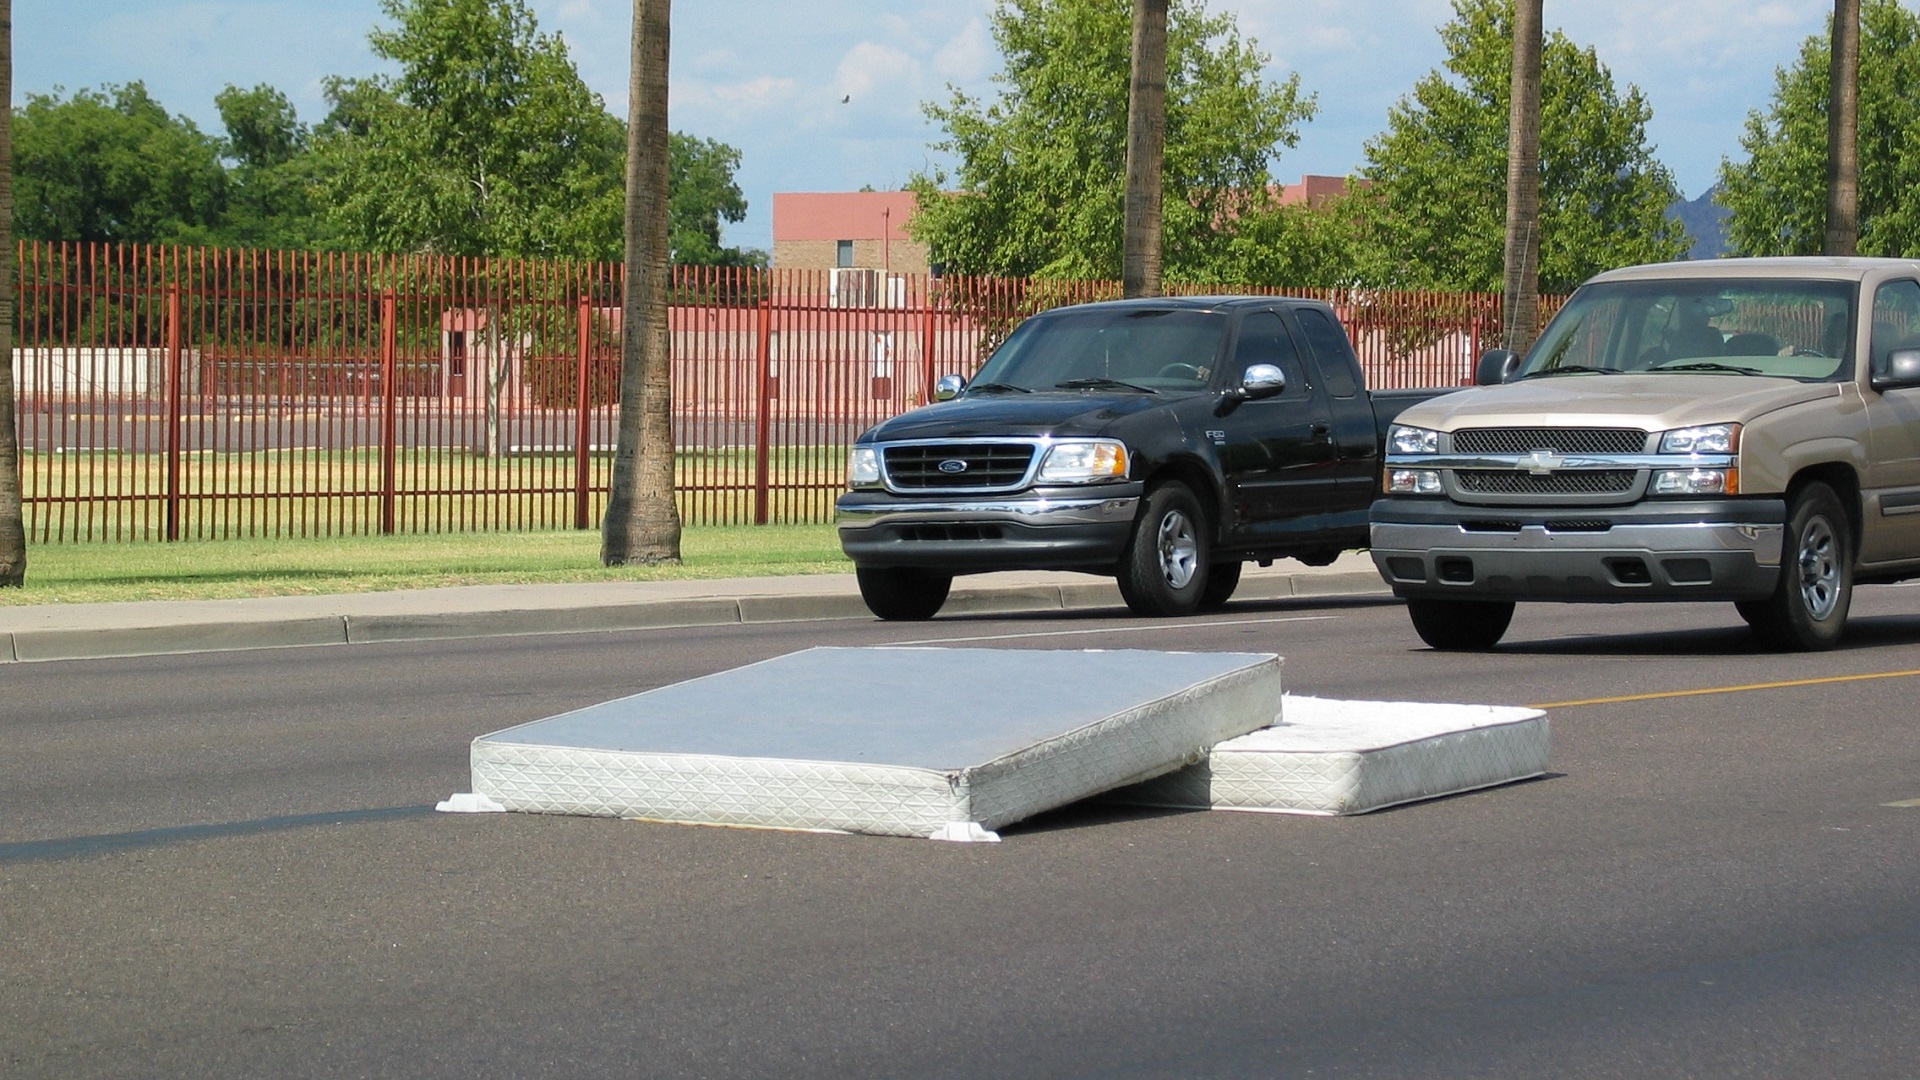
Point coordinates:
[(1742, 430)]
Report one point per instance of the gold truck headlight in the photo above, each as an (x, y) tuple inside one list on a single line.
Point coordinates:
[(1710, 439), (1084, 461), (1695, 482), (1402, 439), (1413, 482)]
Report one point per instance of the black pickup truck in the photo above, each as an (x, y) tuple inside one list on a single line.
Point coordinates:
[(1163, 442)]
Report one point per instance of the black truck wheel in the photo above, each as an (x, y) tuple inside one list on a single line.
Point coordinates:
[(1164, 569), (1222, 579), (1808, 609), (903, 593), (1460, 625)]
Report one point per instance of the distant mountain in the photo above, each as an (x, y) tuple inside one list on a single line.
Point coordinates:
[(1705, 221)]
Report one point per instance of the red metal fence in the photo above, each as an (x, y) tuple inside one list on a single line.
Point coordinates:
[(172, 393)]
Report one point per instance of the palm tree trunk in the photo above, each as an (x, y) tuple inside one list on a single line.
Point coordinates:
[(1843, 108), (642, 523), (1522, 294), (13, 534), (1146, 148)]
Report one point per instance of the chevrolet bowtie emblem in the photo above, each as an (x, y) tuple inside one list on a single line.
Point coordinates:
[(1542, 462)]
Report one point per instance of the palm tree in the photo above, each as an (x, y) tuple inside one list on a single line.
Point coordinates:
[(13, 533), (1522, 302), (642, 523), (1843, 108), (1146, 146)]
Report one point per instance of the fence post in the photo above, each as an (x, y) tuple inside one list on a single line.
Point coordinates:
[(926, 344), (175, 370), (1473, 344), (389, 336), (583, 427), (763, 422)]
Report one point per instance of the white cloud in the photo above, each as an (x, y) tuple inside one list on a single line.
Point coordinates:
[(753, 95), (970, 54), (867, 68)]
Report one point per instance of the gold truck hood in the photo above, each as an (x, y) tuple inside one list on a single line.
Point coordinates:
[(1650, 402)]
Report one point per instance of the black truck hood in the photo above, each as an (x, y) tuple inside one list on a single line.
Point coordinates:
[(1004, 413)]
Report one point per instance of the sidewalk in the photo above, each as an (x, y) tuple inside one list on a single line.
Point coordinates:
[(147, 628)]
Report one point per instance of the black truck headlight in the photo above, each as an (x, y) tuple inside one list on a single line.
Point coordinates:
[(863, 467), (1083, 461)]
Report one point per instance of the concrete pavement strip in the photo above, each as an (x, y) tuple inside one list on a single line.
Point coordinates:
[(150, 628)]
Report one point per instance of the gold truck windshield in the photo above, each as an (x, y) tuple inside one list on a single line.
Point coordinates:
[(1785, 329)]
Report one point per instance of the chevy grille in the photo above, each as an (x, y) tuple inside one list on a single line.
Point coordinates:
[(1525, 440), (1565, 482)]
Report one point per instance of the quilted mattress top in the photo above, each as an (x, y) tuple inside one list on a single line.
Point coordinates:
[(1321, 725), (932, 708)]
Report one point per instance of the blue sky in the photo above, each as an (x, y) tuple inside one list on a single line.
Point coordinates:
[(768, 77)]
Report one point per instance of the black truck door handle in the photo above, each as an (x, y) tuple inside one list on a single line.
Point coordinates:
[(1321, 429)]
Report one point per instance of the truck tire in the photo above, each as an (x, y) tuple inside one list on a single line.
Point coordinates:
[(1164, 569), (1222, 579), (903, 593), (1460, 625), (1808, 609)]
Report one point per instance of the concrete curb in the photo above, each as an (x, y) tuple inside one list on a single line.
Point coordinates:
[(164, 630)]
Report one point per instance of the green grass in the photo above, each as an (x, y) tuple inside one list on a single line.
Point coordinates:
[(221, 569), (95, 497)]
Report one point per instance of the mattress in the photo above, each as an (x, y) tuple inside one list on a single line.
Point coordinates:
[(1332, 757), (925, 742)]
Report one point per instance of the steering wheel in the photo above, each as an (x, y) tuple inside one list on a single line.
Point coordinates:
[(1182, 371), (1803, 351)]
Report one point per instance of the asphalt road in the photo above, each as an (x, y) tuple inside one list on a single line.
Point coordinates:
[(224, 865)]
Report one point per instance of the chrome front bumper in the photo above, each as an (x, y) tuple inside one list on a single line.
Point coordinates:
[(854, 512), (1639, 561), (1077, 531)]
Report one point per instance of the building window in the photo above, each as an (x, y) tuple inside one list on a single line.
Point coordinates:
[(843, 253), (457, 353)]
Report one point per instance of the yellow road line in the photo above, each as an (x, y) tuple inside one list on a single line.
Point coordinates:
[(1728, 689)]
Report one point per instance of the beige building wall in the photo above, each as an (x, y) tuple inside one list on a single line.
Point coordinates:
[(899, 256)]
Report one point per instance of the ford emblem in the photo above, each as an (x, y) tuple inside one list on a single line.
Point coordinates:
[(953, 465)]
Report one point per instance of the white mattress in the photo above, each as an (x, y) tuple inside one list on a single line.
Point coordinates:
[(945, 743), (1349, 757)]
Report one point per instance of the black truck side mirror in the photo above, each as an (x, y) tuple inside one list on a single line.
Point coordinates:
[(1496, 366)]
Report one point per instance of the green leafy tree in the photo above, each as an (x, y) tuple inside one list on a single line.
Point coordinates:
[(113, 165), (486, 143), (272, 174), (1438, 173), (704, 194), (1039, 185), (1777, 198), (1327, 245)]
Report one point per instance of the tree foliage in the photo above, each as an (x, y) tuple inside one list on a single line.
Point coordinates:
[(271, 177), (704, 193), (1039, 184), (486, 143), (1777, 198), (114, 166), (1438, 173)]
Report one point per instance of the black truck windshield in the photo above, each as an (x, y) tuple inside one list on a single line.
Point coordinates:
[(1732, 326), (1119, 348)]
